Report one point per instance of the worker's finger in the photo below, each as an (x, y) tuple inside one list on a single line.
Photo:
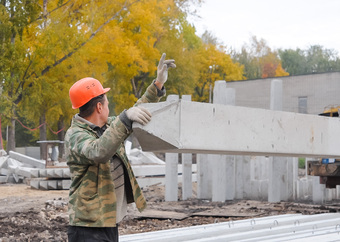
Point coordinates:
[(161, 61)]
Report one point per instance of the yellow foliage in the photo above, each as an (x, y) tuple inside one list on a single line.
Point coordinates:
[(214, 64), (280, 71), (119, 43)]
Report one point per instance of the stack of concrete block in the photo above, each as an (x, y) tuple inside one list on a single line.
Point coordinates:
[(19, 168), (57, 178)]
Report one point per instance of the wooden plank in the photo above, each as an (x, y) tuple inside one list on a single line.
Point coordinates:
[(158, 214)]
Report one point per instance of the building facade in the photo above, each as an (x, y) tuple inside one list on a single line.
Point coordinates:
[(310, 94)]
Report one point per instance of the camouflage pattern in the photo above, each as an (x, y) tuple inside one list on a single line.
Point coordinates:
[(92, 201)]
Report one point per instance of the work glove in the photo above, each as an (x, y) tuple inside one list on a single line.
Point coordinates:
[(162, 69), (139, 115)]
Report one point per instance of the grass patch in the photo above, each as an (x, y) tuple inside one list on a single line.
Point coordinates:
[(302, 162)]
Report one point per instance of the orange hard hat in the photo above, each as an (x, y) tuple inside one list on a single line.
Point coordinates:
[(84, 90)]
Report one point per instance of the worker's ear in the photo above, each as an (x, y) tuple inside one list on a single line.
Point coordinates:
[(99, 107)]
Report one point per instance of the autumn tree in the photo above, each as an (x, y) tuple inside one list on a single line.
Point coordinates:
[(55, 49), (259, 60), (315, 59), (319, 59), (293, 61), (214, 64), (15, 16), (118, 42)]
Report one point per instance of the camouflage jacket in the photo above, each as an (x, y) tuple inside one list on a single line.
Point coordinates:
[(92, 200)]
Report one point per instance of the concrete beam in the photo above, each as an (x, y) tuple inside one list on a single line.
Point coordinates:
[(184, 127), (27, 160), (157, 170), (27, 172)]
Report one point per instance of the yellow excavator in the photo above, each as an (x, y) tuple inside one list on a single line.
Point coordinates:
[(326, 168)]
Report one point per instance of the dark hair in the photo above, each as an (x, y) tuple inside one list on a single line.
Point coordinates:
[(88, 108)]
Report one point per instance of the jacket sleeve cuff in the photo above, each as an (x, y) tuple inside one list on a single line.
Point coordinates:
[(160, 92), (125, 120)]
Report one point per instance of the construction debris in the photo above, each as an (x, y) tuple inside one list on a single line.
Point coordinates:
[(19, 168)]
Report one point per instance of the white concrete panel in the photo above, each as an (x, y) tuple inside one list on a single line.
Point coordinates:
[(187, 168), (4, 172), (219, 179), (27, 160), (191, 127), (66, 184), (230, 177), (27, 172), (43, 185), (204, 177), (66, 173), (43, 173), (58, 173), (319, 190), (52, 184), (3, 161), (35, 184), (171, 172), (187, 176), (3, 179)]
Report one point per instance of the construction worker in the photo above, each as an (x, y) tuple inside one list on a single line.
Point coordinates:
[(103, 182)]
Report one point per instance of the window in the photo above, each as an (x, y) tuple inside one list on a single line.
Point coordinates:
[(302, 105)]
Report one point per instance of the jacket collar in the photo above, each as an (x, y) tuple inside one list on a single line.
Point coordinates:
[(86, 124)]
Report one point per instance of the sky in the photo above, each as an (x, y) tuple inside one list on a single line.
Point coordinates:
[(285, 24)]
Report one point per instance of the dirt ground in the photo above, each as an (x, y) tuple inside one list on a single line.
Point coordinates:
[(35, 215)]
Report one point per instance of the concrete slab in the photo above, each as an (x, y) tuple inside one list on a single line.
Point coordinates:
[(204, 177), (13, 163), (65, 184), (187, 176), (171, 168), (58, 173), (66, 173), (59, 184), (27, 160), (187, 168), (3, 161), (319, 190), (3, 179), (4, 171), (34, 184), (260, 131), (139, 157), (171, 171), (50, 173), (219, 179), (3, 153), (53, 184), (11, 179), (43, 173), (27, 172), (43, 185)]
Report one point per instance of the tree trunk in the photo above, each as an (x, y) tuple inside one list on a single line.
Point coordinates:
[(43, 136), (61, 136), (11, 136)]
